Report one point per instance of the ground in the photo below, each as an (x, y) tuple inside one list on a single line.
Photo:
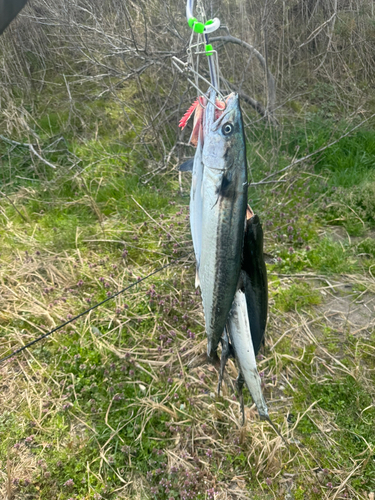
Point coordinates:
[(118, 404)]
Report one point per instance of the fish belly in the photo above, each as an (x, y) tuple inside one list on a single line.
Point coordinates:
[(240, 336), (196, 202)]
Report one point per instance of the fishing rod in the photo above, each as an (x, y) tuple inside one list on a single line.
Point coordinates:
[(38, 339)]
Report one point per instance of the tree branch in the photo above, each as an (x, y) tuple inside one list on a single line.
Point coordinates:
[(261, 59)]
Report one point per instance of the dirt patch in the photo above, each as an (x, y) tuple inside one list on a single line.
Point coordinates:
[(345, 312), (338, 234)]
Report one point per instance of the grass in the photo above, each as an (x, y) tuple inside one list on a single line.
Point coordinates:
[(117, 405), (296, 296)]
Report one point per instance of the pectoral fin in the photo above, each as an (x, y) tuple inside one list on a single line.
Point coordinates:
[(187, 166)]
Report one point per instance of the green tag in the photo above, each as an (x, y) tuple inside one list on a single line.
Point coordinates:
[(198, 27), (191, 22)]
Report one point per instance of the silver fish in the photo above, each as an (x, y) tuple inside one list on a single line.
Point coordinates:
[(223, 198), (240, 335)]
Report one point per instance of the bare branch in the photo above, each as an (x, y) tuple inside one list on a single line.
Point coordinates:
[(31, 148), (261, 59)]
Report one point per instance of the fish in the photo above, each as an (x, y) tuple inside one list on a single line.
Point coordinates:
[(238, 327), (239, 331), (254, 278), (254, 281), (217, 205), (248, 316), (195, 166), (228, 243), (223, 208), (247, 320)]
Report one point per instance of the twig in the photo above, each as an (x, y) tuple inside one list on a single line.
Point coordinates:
[(10, 141), (14, 206), (330, 35), (31, 148), (346, 480), (261, 59), (265, 182)]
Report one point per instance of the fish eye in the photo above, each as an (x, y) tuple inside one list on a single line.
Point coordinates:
[(227, 128)]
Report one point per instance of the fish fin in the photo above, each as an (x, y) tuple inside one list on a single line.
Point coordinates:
[(274, 427), (249, 212), (240, 383), (197, 280), (224, 190), (187, 166), (226, 353)]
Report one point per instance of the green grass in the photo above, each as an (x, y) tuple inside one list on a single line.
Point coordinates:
[(297, 296), (348, 409), (339, 183)]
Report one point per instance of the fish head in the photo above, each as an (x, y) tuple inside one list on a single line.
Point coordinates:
[(224, 141), (205, 113)]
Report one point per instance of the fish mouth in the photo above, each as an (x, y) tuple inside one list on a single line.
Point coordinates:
[(229, 113)]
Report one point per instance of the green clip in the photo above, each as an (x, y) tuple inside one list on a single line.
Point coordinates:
[(196, 25), (191, 22), (209, 22), (209, 50)]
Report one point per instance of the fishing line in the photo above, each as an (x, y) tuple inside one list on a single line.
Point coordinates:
[(38, 339)]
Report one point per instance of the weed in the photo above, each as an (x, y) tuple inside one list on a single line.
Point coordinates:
[(297, 296), (367, 246)]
